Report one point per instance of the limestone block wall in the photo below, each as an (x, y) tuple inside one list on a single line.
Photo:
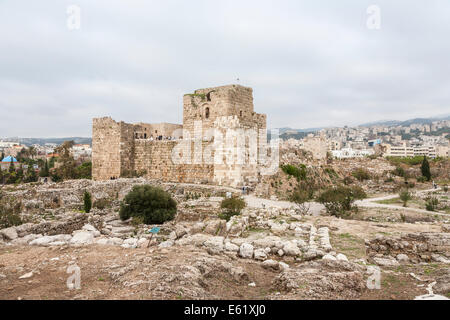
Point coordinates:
[(156, 158), (106, 139), (127, 152), (239, 165), (147, 130)]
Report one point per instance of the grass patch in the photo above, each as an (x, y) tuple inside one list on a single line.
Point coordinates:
[(389, 280), (430, 268), (353, 246), (390, 201)]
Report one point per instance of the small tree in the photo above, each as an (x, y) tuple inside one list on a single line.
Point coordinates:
[(45, 170), (84, 171), (405, 196), (231, 207), (152, 204), (67, 164), (301, 197), (31, 174), (361, 174), (338, 201), (425, 168), (12, 168), (87, 199)]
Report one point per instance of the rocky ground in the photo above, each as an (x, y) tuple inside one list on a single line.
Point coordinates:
[(268, 252)]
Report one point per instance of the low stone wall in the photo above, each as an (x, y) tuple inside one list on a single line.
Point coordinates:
[(66, 226), (419, 247)]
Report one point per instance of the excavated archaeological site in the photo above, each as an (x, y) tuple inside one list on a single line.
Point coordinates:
[(272, 250)]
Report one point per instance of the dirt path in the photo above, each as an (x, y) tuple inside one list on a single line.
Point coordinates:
[(371, 203)]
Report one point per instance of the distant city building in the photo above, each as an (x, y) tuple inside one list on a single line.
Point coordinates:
[(374, 142), (352, 153), (82, 151), (413, 151)]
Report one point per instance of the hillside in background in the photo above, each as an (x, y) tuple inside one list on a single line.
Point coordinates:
[(43, 141), (406, 122), (286, 132)]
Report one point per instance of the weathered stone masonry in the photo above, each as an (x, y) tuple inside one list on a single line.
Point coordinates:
[(119, 148)]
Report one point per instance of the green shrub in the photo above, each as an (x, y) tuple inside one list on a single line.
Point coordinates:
[(445, 188), (405, 196), (412, 161), (399, 172), (87, 202), (102, 203), (431, 203), (361, 174), (9, 212), (331, 173), (297, 172), (339, 201), (410, 185), (421, 179), (403, 217), (153, 204), (348, 180), (231, 207)]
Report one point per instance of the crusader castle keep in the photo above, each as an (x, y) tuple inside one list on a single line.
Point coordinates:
[(155, 150)]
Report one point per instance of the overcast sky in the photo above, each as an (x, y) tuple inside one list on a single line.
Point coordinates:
[(310, 63)]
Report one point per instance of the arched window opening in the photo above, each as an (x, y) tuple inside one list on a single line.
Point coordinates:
[(207, 113), (240, 113)]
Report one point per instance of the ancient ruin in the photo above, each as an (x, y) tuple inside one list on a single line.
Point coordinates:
[(120, 148)]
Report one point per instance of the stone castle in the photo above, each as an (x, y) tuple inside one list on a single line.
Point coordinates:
[(154, 150)]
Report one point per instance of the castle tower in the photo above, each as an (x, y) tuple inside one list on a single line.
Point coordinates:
[(207, 105)]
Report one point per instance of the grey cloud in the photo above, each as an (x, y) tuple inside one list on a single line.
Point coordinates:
[(310, 63)]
